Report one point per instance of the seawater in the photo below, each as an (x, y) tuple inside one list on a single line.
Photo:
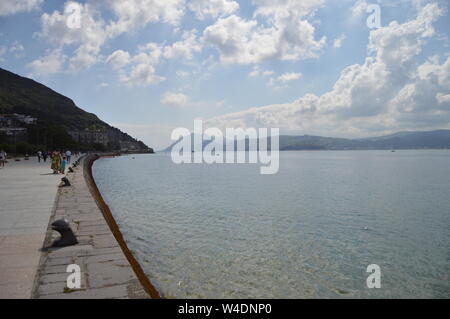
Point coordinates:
[(310, 231)]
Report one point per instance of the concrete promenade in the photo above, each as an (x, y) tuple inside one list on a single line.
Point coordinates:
[(105, 271), (27, 195), (29, 201)]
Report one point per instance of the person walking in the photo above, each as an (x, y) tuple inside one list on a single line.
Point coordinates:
[(56, 162), (69, 156), (63, 165), (44, 156), (39, 156), (2, 158)]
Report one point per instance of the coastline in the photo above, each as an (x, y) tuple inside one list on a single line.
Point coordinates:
[(107, 214), (108, 268)]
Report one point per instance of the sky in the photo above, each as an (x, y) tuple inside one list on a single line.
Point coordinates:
[(316, 67)]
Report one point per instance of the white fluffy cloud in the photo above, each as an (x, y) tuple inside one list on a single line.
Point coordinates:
[(118, 59), (139, 70), (337, 43), (290, 76), (286, 35), (175, 99), (94, 31), (141, 75), (283, 79), (48, 64), (359, 9), (183, 49), (10, 7), (88, 39), (387, 92), (280, 10), (132, 14), (212, 8)]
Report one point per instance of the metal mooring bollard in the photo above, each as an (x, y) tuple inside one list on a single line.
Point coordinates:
[(68, 238), (66, 182)]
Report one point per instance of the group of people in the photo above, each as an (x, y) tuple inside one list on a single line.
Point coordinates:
[(59, 160)]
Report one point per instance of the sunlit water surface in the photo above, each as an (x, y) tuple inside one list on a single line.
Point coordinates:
[(310, 231)]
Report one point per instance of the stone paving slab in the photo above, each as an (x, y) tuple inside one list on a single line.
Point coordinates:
[(105, 271)]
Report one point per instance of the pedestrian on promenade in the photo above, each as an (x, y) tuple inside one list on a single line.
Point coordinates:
[(56, 162), (39, 156), (2, 158), (68, 155), (63, 165), (44, 156)]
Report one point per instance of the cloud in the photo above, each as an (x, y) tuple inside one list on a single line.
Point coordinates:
[(337, 43), (11, 7), (3, 51), (118, 59), (389, 91), (285, 35), (175, 99), (182, 74), (257, 71), (286, 77), (89, 38), (49, 64), (358, 9), (17, 49), (151, 55), (138, 70), (141, 75), (184, 49), (94, 31), (212, 8), (443, 98), (132, 14), (428, 92)]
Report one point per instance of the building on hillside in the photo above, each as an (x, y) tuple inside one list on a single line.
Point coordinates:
[(12, 125), (90, 136), (25, 119), (16, 120), (15, 134), (5, 121), (128, 146)]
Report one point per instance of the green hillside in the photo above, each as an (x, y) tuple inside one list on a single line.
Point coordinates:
[(57, 116)]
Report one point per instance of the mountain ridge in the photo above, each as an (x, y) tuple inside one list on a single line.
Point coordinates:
[(436, 139)]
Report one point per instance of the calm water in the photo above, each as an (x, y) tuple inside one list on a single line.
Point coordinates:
[(225, 231)]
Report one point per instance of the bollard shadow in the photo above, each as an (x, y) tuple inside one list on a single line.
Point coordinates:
[(51, 249)]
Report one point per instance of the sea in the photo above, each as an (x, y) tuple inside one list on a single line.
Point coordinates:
[(313, 230)]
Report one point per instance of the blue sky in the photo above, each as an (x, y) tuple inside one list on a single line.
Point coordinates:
[(306, 67)]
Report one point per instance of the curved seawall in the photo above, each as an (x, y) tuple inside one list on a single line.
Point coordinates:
[(107, 267), (143, 279)]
